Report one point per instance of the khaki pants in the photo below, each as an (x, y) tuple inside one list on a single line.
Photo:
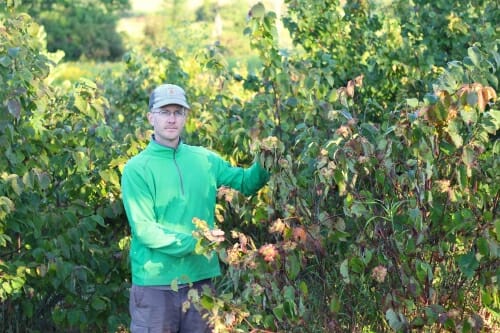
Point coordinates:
[(157, 310)]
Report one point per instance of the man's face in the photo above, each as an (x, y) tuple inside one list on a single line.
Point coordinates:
[(168, 122)]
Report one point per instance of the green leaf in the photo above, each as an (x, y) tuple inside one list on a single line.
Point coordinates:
[(289, 293), (292, 102), (58, 315), (468, 156), (303, 288), (463, 180), (412, 102), (4, 239), (290, 308), (447, 148), (483, 246), (16, 184), (81, 104), (471, 98), (269, 322), (468, 264), (14, 107), (469, 116), (333, 96), (394, 319), (335, 304), (475, 56), (6, 287), (423, 271), (293, 266), (418, 322), (17, 282), (13, 51), (98, 303), (489, 125), (279, 312), (432, 313), (28, 309), (338, 176), (5, 61), (367, 257), (344, 270), (75, 317), (43, 180), (358, 209), (87, 83), (497, 229), (98, 219), (110, 176), (356, 265), (258, 10), (28, 180), (207, 302), (495, 116), (454, 132)]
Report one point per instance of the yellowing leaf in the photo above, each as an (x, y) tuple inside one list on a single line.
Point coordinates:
[(80, 103)]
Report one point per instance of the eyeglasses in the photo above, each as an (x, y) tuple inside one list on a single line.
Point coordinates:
[(176, 114)]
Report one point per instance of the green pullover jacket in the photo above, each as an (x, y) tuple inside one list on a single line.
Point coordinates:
[(163, 189)]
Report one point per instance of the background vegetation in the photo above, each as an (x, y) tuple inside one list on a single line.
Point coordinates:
[(378, 121)]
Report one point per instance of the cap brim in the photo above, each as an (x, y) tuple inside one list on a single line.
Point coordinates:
[(168, 101)]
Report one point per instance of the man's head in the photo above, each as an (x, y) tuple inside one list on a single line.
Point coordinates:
[(167, 94), (167, 113)]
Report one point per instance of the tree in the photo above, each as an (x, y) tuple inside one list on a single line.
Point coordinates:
[(80, 28)]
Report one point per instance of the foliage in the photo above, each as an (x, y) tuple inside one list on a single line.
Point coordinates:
[(398, 53), (382, 208), (82, 29), (369, 208), (186, 35), (61, 266)]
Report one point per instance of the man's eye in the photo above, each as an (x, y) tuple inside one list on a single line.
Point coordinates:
[(176, 113)]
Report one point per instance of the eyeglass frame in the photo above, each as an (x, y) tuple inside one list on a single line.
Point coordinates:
[(179, 113)]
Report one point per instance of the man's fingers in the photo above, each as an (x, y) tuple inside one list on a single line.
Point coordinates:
[(217, 232), (215, 235)]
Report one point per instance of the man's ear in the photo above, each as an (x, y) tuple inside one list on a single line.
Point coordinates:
[(150, 118)]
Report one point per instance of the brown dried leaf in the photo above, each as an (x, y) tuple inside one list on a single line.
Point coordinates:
[(481, 100), (350, 88), (358, 81), (299, 235), (490, 93)]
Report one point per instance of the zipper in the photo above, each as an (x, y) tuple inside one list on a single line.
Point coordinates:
[(179, 172)]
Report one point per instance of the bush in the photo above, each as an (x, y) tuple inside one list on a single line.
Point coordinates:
[(82, 32)]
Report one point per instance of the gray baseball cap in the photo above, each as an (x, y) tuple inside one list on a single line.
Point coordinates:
[(166, 94)]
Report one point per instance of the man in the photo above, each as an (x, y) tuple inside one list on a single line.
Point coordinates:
[(164, 188)]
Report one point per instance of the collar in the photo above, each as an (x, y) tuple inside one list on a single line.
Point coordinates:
[(156, 148)]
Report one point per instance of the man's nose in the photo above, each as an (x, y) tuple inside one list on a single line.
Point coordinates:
[(171, 117)]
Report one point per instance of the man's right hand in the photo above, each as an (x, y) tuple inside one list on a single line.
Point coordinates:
[(215, 235)]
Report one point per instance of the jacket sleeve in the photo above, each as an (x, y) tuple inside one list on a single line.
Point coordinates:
[(246, 180), (138, 202)]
